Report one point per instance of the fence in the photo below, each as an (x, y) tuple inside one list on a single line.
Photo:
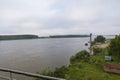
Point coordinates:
[(28, 74)]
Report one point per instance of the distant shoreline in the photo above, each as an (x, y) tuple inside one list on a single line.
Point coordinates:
[(20, 37), (17, 37), (68, 36)]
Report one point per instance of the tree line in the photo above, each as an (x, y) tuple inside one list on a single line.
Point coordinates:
[(15, 37)]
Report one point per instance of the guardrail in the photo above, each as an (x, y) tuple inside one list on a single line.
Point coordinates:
[(28, 74)]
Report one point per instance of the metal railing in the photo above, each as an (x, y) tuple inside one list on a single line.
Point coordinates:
[(28, 74)]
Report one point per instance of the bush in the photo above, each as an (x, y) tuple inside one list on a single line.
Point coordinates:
[(77, 65), (80, 56), (97, 50), (47, 72), (60, 72)]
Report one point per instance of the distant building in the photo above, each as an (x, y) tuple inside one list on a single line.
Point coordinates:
[(114, 68)]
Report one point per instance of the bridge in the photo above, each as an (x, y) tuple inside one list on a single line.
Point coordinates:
[(37, 76)]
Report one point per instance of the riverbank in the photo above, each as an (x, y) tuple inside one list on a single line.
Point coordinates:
[(85, 67), (104, 45)]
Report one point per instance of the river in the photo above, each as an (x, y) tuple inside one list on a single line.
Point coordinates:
[(34, 55), (37, 54)]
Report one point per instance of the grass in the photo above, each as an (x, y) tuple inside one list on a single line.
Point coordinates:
[(87, 69), (92, 70)]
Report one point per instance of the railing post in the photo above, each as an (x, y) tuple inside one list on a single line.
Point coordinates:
[(11, 77)]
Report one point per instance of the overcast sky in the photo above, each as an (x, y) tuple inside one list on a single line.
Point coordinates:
[(50, 17)]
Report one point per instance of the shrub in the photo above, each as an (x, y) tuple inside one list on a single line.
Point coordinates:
[(97, 50), (60, 72), (80, 56)]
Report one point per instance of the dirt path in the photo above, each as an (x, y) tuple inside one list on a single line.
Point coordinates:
[(103, 45)]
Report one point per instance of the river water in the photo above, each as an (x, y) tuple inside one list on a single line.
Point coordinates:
[(38, 54), (34, 55)]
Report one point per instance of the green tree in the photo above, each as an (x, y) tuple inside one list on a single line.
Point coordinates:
[(114, 47), (99, 39)]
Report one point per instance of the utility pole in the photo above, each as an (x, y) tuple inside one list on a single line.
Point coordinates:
[(90, 43)]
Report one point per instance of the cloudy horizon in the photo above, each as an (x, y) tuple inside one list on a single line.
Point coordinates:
[(58, 17)]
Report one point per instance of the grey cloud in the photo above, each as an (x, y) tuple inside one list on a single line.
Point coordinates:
[(59, 16)]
